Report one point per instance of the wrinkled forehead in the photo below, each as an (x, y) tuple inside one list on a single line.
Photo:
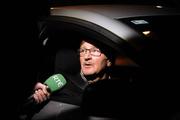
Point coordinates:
[(92, 43), (104, 48), (86, 43)]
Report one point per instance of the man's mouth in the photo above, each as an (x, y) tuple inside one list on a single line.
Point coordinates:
[(87, 65)]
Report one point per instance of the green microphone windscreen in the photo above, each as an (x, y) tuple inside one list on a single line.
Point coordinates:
[(55, 82)]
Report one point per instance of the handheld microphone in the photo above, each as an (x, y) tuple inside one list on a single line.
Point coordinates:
[(54, 83)]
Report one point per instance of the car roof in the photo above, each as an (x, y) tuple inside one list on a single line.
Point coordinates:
[(117, 11), (107, 20), (108, 15)]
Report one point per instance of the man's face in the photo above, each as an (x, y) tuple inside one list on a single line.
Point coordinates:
[(92, 64)]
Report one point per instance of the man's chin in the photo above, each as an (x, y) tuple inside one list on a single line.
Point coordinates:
[(88, 73)]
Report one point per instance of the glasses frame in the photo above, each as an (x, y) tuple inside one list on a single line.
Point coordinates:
[(93, 52)]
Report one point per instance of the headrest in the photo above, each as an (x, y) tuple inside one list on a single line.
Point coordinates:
[(67, 61)]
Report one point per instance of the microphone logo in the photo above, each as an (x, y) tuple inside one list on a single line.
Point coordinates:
[(55, 82), (58, 80)]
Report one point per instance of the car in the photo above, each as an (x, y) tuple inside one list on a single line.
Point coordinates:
[(145, 40), (127, 28)]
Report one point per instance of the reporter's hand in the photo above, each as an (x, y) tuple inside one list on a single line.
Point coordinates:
[(41, 94)]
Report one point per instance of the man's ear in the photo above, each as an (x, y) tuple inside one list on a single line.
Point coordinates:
[(109, 63)]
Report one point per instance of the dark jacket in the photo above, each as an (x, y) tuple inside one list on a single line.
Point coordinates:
[(72, 92)]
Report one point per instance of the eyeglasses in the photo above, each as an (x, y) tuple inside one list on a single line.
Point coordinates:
[(93, 51)]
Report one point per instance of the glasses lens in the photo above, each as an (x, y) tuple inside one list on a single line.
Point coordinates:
[(93, 52)]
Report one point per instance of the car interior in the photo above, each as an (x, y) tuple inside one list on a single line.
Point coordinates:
[(61, 56), (139, 86)]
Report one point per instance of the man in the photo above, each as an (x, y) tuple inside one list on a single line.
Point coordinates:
[(95, 64)]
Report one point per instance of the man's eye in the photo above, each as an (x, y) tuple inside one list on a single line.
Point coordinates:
[(82, 50), (95, 50)]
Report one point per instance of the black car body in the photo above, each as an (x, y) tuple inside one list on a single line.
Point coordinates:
[(145, 40)]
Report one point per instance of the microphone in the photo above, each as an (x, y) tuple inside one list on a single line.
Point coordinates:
[(53, 83)]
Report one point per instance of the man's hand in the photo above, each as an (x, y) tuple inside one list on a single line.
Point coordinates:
[(41, 94)]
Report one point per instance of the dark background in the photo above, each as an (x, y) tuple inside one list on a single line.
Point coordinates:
[(20, 51)]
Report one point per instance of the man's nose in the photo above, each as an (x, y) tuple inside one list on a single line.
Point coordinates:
[(87, 54)]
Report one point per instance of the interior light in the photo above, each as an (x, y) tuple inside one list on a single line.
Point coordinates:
[(146, 32)]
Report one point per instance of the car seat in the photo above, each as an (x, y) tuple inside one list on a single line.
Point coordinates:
[(66, 60)]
